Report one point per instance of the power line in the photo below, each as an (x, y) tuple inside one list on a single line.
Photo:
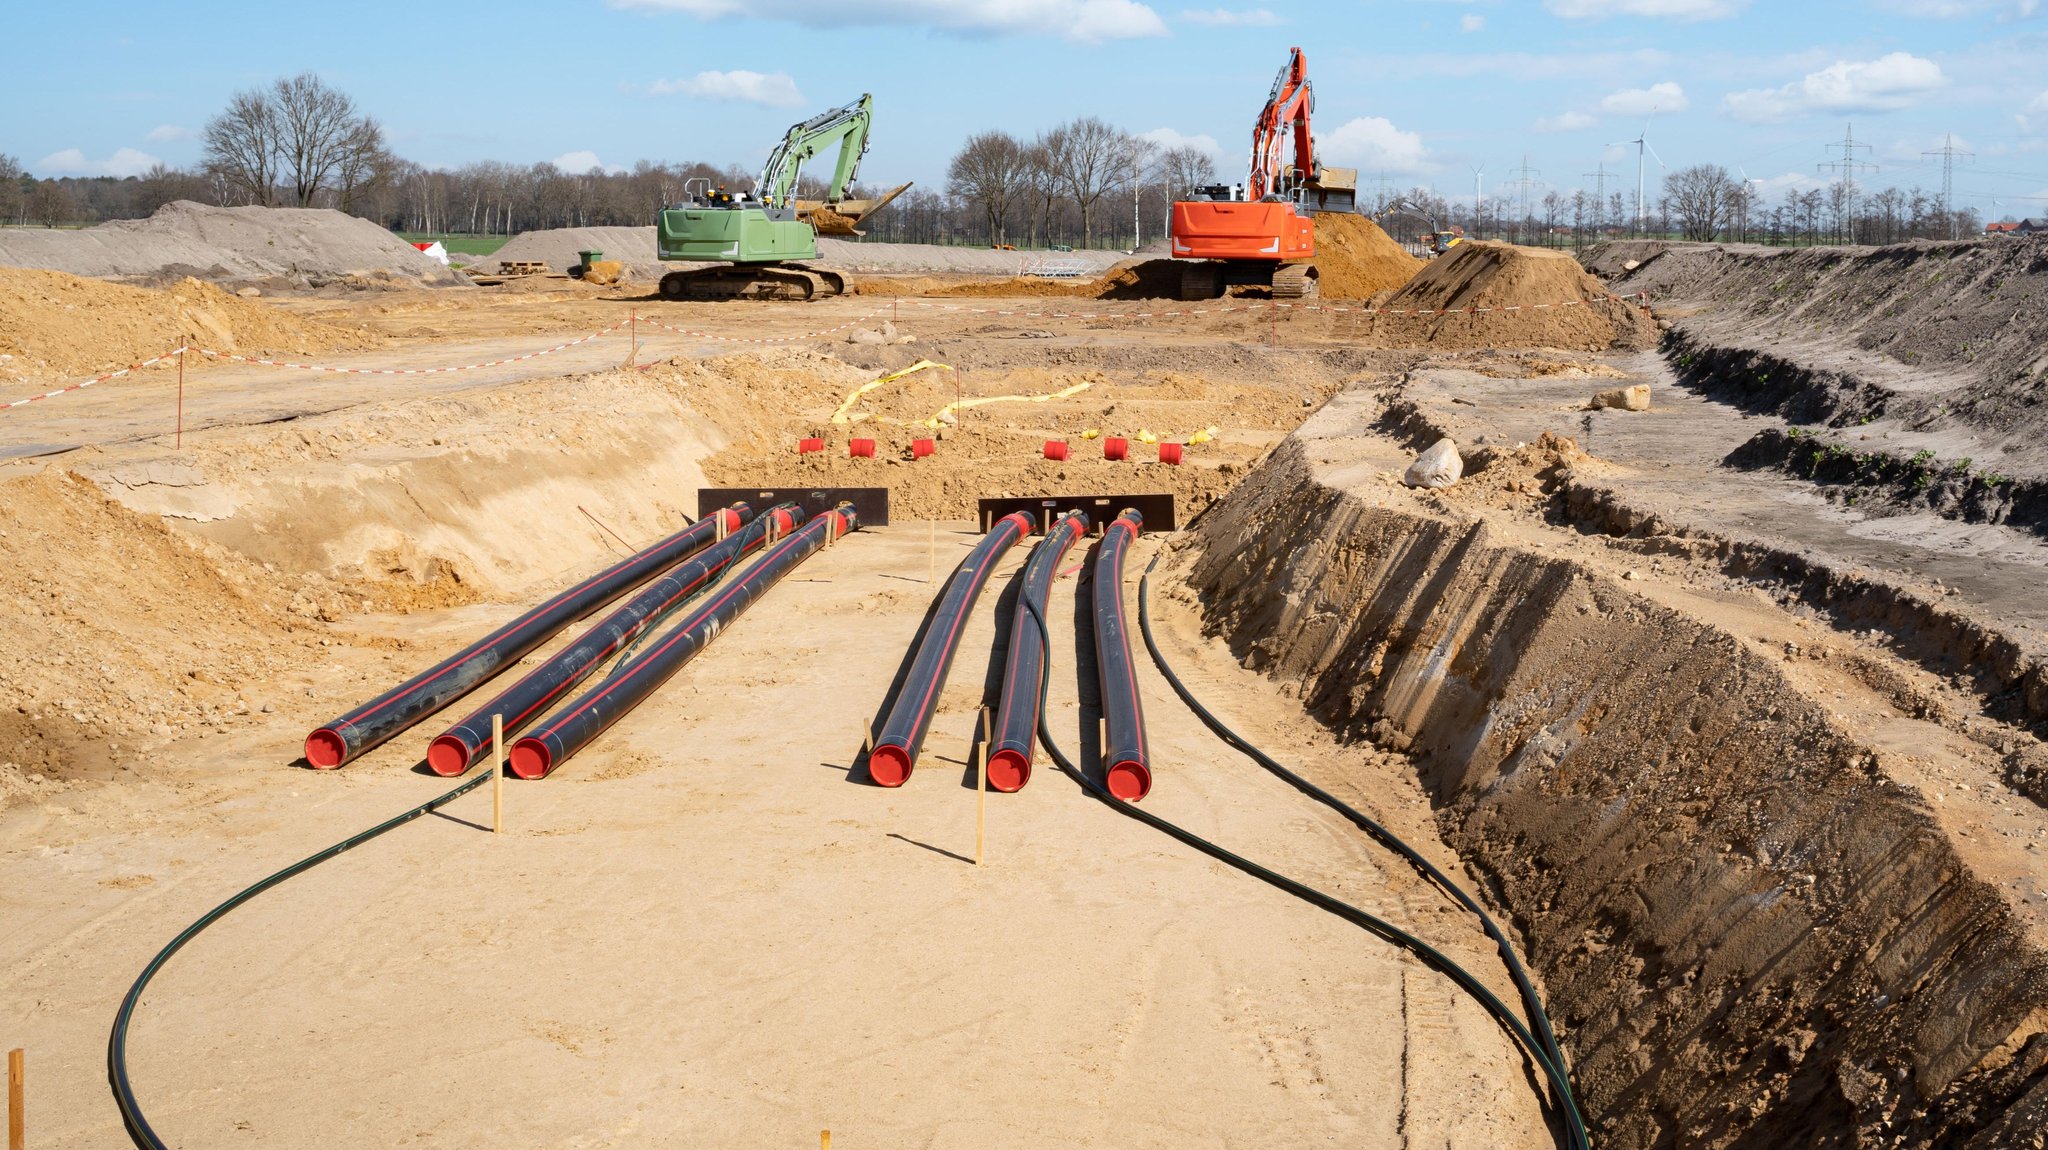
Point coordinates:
[(1848, 166), (1599, 179), (1525, 171), (1948, 153)]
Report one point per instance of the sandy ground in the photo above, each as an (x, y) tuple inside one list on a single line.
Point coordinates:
[(703, 928)]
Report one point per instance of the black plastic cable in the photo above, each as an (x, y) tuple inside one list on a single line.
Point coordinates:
[(1532, 1002), (139, 1130), (1575, 1127)]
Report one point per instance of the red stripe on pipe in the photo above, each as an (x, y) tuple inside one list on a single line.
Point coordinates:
[(861, 448), (1115, 447)]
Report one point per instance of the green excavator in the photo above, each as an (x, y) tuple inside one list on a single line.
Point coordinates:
[(753, 241)]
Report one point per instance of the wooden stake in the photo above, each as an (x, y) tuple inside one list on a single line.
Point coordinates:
[(824, 1140), (497, 773), (17, 1113), (720, 525), (1102, 740), (981, 789)]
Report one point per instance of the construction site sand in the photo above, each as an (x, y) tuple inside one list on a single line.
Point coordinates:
[(1554, 303), (57, 326), (296, 247)]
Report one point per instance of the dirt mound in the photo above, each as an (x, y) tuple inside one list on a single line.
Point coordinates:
[(1356, 260), (122, 630), (1132, 279), (54, 325), (1510, 296), (304, 247)]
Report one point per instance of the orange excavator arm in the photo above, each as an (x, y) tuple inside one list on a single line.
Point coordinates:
[(1289, 106)]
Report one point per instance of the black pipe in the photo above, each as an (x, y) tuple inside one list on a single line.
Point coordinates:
[(597, 709), (393, 711), (1532, 1002), (895, 752), (459, 748), (1127, 770), (1567, 1108), (1013, 738)]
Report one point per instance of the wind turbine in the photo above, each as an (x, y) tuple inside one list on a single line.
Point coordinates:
[(1642, 143)]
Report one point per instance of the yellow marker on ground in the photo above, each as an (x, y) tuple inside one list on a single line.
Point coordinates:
[(844, 414), (950, 413)]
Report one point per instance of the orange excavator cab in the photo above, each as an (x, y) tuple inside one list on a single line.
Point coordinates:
[(1261, 232)]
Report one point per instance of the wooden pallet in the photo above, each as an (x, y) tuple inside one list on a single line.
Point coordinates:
[(523, 268)]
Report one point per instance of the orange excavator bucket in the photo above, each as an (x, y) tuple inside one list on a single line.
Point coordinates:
[(844, 217)]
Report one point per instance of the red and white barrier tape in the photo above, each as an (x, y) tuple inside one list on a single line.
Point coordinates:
[(211, 354), (855, 321), (1276, 304), (172, 354)]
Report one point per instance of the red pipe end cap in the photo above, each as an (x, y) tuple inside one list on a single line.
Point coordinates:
[(805, 446), (531, 759), (1115, 447), (860, 448), (889, 765), (448, 756), (1008, 771), (1055, 450), (1129, 781), (1169, 453), (919, 448), (325, 749)]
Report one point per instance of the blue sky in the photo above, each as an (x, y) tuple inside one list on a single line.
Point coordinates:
[(1422, 90)]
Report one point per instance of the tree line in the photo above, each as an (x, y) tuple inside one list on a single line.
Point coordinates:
[(1083, 183)]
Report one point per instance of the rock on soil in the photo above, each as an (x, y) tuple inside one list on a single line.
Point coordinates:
[(58, 326), (1436, 468), (1635, 397), (300, 247)]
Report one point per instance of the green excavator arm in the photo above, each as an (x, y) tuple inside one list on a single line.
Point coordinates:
[(846, 127)]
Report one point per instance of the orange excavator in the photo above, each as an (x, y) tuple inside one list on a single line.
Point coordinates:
[(1260, 233)]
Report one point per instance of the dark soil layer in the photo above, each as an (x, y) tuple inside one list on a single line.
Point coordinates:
[(1753, 931)]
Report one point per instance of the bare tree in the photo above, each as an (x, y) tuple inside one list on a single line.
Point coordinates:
[(1703, 197), (51, 204), (13, 198), (991, 173), (1184, 169), (1091, 160), (242, 147), (362, 164)]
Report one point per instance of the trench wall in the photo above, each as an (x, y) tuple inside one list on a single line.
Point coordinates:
[(1750, 934)]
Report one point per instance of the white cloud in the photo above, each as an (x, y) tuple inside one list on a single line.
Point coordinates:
[(1885, 84), (578, 163), (1231, 18), (2035, 115), (2004, 10), (773, 89), (1663, 9), (1565, 122), (1374, 144), (73, 162), (166, 133), (1664, 97), (1471, 22), (1085, 21), (1169, 139)]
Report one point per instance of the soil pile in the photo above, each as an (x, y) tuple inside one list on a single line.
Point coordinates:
[(299, 247), (1533, 297), (120, 631), (1963, 326), (1132, 279), (1356, 260), (54, 325)]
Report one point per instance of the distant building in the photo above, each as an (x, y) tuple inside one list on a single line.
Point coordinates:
[(2030, 227), (2001, 229)]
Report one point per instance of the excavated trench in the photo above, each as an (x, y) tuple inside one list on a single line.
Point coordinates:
[(1753, 922)]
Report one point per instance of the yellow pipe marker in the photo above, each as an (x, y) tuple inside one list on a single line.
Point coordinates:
[(951, 412), (844, 414)]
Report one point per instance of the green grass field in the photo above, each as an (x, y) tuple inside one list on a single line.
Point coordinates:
[(458, 244)]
